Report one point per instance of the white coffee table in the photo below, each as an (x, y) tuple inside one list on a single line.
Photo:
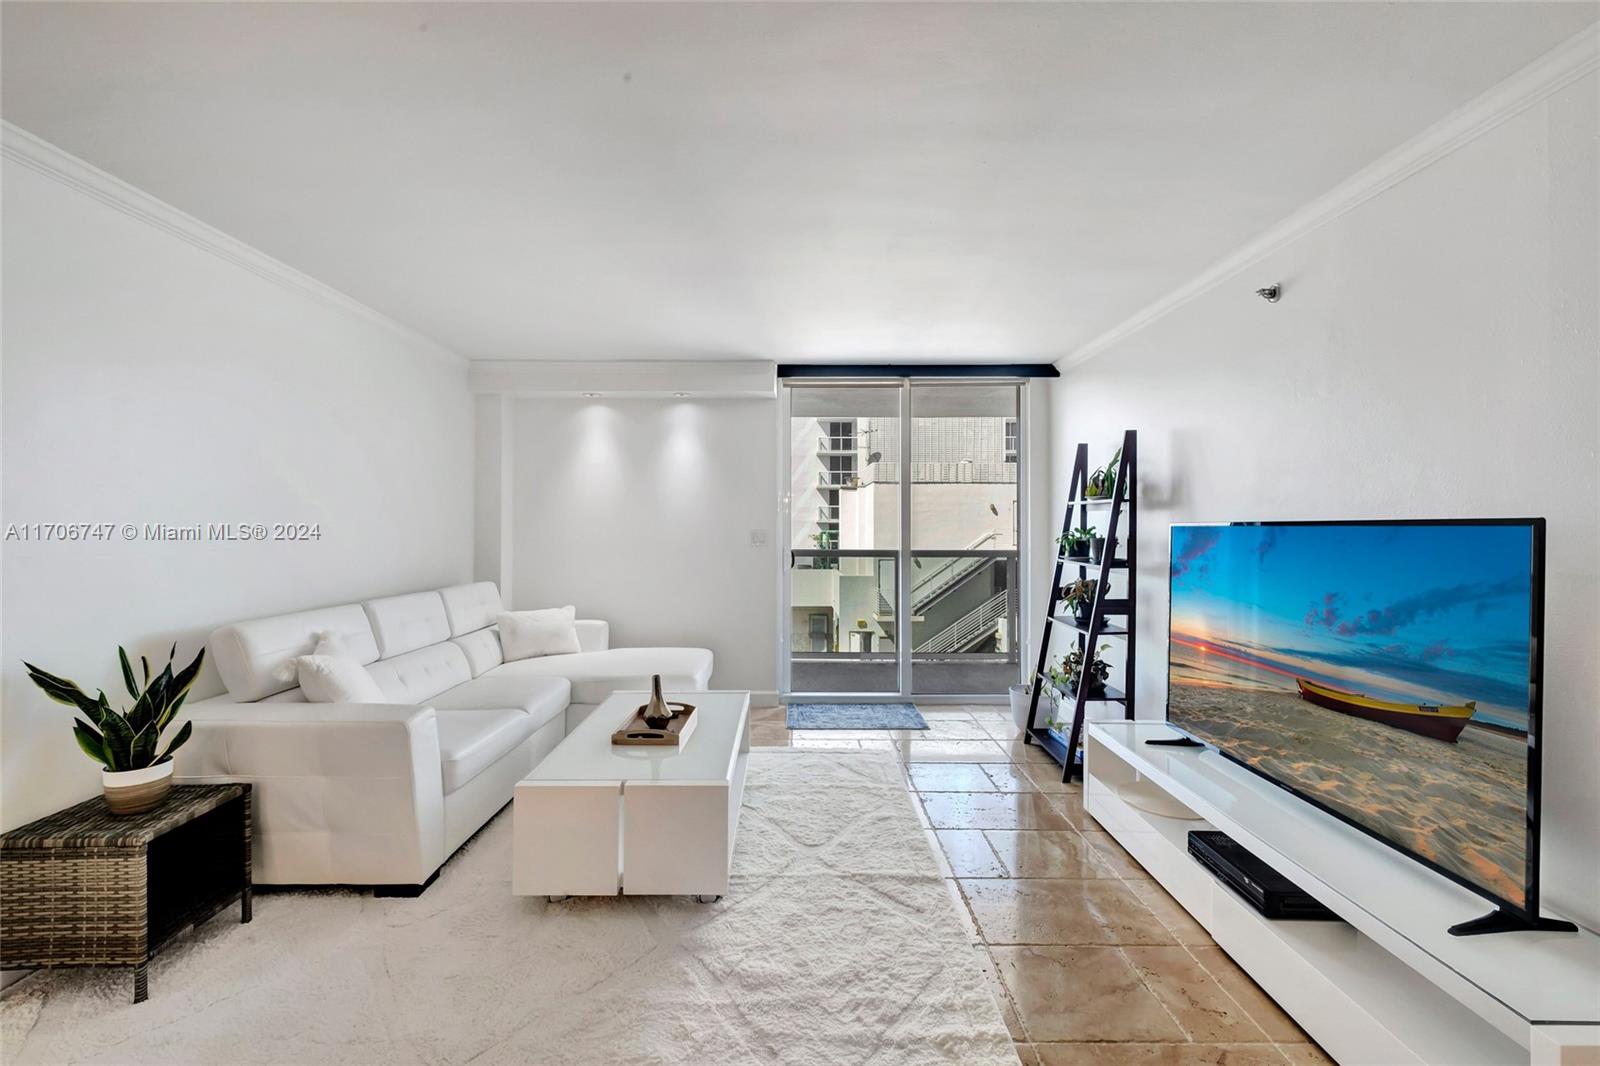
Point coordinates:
[(593, 819)]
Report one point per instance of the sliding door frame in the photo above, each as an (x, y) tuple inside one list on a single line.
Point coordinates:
[(903, 552)]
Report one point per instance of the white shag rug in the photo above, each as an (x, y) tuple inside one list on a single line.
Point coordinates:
[(837, 944)]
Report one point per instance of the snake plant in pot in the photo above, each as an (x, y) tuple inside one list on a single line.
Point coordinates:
[(1103, 482), (126, 743)]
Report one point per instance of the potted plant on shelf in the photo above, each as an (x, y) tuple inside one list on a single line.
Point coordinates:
[(1092, 674), (1079, 598), (1075, 543), (1097, 549), (1103, 482), (135, 778)]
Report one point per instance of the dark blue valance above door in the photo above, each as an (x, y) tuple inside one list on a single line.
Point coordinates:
[(882, 371)]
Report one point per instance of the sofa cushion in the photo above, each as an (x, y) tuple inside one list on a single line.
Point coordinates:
[(256, 658), (470, 740), (540, 698), (417, 676), (482, 649), (597, 674), (469, 608), (526, 634), (406, 623)]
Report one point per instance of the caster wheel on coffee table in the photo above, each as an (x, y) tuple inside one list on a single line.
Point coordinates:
[(707, 899), (558, 899)]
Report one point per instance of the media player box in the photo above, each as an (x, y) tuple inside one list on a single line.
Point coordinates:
[(1264, 888)]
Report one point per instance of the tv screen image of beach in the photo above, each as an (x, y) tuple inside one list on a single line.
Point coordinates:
[(1381, 671)]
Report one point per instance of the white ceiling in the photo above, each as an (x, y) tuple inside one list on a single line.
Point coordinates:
[(791, 182)]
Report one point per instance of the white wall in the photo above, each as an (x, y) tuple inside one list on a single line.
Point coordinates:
[(1435, 354), (639, 511), (491, 545), (147, 379)]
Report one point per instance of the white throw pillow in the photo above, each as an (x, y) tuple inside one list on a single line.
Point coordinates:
[(329, 675), (327, 643), (336, 679), (526, 634)]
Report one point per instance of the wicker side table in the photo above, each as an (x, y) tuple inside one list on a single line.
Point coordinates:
[(82, 887)]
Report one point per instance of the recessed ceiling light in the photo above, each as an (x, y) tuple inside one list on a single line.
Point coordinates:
[(591, 396), (681, 395)]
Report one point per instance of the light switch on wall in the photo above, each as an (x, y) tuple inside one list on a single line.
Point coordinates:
[(758, 538)]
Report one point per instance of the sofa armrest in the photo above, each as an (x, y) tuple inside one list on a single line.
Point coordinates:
[(593, 634), (344, 793)]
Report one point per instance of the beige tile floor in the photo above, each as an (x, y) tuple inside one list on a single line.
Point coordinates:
[(1092, 963)]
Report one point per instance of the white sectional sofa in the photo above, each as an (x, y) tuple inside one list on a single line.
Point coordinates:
[(383, 793)]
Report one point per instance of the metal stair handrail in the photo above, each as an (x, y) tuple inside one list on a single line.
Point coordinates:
[(969, 627), (956, 569)]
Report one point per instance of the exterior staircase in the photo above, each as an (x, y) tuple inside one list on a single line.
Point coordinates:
[(971, 628), (948, 575)]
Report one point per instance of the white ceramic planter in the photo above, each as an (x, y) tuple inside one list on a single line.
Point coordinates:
[(136, 791), (1020, 699)]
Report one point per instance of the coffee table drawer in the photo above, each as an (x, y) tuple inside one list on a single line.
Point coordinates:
[(565, 838)]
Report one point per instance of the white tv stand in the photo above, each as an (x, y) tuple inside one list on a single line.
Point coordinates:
[(1391, 986)]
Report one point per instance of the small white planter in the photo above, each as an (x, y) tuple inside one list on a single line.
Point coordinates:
[(1020, 698), (136, 791)]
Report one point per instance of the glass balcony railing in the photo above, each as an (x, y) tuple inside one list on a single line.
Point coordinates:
[(965, 608), (839, 640), (845, 634)]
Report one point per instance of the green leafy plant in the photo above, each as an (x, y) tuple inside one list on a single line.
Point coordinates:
[(1103, 482), (1093, 673), (127, 739), (1076, 541), (1057, 691), (1079, 595)]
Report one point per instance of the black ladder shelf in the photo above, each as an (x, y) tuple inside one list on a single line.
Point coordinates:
[(1120, 513)]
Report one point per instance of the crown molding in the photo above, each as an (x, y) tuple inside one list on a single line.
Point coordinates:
[(39, 155), (1545, 76)]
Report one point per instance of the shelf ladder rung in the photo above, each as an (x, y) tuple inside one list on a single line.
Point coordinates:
[(1110, 694), (1072, 623)]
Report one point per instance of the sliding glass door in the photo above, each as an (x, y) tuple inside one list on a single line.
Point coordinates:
[(844, 539), (965, 522), (903, 505)]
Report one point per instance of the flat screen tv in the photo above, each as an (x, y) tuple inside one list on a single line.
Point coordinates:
[(1387, 672)]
